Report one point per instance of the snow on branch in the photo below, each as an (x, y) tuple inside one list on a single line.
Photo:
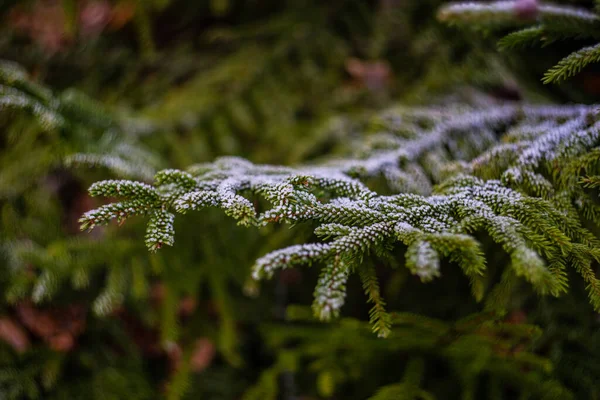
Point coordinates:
[(550, 23), (492, 170)]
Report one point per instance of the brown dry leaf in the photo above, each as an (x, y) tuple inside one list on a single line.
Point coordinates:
[(175, 355), (187, 306), (94, 17), (62, 342), (59, 327), (122, 13), (203, 354), (38, 322), (44, 23), (374, 75), (14, 334)]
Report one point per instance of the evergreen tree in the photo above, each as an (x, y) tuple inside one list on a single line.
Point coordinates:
[(452, 245)]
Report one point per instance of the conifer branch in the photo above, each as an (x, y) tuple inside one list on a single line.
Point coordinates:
[(553, 22), (378, 316), (572, 64), (506, 13), (513, 196), (330, 292), (524, 38)]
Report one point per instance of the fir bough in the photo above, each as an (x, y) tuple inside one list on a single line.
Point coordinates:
[(551, 23), (521, 200)]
